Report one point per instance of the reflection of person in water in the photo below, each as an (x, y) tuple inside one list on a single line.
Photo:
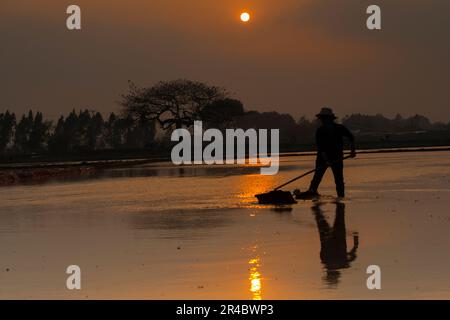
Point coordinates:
[(333, 252)]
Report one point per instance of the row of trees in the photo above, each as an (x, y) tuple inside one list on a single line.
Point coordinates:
[(79, 131), (148, 113), (379, 123)]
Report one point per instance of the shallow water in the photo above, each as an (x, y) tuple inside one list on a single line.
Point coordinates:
[(164, 232)]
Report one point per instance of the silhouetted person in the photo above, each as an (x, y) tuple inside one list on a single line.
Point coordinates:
[(330, 152), (333, 243)]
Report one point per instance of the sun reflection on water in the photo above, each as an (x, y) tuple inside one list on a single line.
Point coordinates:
[(255, 278), (250, 185)]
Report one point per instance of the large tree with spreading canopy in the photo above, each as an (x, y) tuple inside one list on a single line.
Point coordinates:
[(174, 104)]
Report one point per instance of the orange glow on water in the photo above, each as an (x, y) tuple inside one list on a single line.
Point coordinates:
[(255, 278)]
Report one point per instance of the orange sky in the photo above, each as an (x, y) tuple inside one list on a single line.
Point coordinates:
[(295, 56)]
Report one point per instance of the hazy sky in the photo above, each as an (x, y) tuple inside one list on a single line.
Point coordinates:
[(295, 56)]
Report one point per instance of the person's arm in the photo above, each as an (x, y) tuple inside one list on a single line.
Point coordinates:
[(351, 138), (319, 143), (352, 253), (352, 149)]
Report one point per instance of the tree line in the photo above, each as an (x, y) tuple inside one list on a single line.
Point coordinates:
[(148, 114), (84, 130)]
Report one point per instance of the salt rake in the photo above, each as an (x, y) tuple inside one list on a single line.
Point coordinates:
[(279, 197)]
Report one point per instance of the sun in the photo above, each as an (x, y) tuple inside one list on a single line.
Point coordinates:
[(245, 17)]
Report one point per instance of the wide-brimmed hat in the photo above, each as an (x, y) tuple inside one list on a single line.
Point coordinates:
[(326, 113)]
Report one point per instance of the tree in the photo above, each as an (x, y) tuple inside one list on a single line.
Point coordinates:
[(39, 133), (222, 113), (95, 131), (306, 130), (58, 143), (418, 122), (71, 132), (7, 125), (113, 135), (23, 131), (83, 126), (172, 103), (271, 120), (66, 136)]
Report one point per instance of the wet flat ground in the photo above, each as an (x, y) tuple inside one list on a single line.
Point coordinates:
[(165, 232)]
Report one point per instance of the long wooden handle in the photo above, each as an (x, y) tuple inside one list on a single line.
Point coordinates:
[(303, 175)]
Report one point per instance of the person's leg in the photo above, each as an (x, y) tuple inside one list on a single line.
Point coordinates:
[(339, 230), (321, 168), (322, 224), (338, 172)]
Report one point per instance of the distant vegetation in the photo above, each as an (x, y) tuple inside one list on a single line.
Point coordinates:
[(148, 116)]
